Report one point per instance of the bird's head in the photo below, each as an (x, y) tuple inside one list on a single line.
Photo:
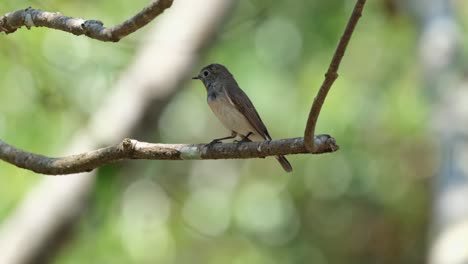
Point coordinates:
[(213, 73)]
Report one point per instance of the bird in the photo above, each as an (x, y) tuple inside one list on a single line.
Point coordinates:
[(233, 108)]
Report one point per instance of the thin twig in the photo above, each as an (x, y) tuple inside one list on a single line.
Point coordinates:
[(133, 149), (95, 29), (331, 76)]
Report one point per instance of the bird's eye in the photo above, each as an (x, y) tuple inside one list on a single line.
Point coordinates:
[(206, 73)]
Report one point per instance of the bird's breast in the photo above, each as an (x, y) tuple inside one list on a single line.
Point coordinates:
[(212, 96), (230, 116)]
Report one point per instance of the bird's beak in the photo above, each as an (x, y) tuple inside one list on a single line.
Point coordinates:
[(195, 78)]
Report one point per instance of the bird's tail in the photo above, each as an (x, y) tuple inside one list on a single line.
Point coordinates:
[(284, 163)]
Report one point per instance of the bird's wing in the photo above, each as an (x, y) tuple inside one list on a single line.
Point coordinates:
[(242, 102)]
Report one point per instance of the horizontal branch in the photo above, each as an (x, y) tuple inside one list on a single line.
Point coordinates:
[(133, 149), (95, 29)]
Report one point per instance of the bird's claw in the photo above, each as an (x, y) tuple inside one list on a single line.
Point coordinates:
[(241, 141), (246, 139), (213, 142)]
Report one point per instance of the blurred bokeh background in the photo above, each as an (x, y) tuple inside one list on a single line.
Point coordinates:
[(370, 202)]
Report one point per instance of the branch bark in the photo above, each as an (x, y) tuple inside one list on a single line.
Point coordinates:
[(331, 75), (26, 235), (95, 29), (133, 149)]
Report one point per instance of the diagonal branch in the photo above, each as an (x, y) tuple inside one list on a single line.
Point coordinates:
[(95, 29), (132, 149), (331, 76)]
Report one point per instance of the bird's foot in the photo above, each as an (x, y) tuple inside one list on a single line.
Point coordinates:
[(213, 142), (244, 139)]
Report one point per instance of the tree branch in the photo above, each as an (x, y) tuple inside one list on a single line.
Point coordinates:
[(331, 76), (133, 149), (28, 237), (95, 29)]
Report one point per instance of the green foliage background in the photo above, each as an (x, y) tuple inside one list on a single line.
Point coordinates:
[(367, 203)]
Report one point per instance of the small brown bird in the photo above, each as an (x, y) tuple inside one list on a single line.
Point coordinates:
[(233, 107)]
